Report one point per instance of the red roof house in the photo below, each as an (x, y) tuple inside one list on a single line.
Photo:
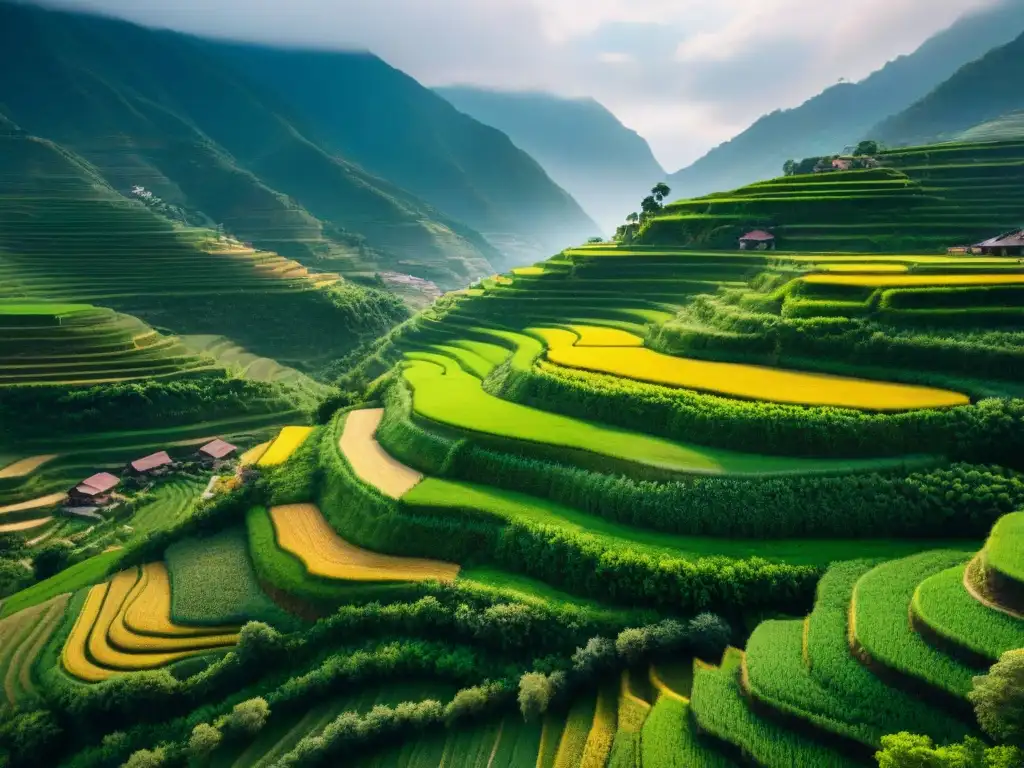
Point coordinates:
[(152, 462), (98, 484), (218, 449), (842, 164), (758, 239)]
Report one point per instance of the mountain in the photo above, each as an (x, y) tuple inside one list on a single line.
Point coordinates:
[(606, 166), (161, 110), (846, 113), (365, 110), (984, 94)]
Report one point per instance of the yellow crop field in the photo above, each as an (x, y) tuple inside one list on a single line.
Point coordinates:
[(302, 530), (598, 336), (602, 730), (255, 453), (25, 525), (49, 500), (528, 271), (148, 609), (910, 281), (752, 382), (286, 443), (74, 657), (632, 709), (900, 258), (863, 268), (576, 733), (26, 466), (371, 463)]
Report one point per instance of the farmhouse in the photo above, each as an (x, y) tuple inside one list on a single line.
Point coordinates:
[(842, 164), (217, 450), (1006, 244), (154, 464), (94, 491), (758, 240)]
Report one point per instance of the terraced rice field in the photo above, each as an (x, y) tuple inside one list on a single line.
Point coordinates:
[(254, 454), (147, 610), (69, 580), (576, 733), (371, 463), (880, 605), (172, 500), (96, 651), (720, 710), (26, 466), (598, 747), (302, 531), (446, 394), (22, 637), (742, 381), (284, 445), (1004, 550), (943, 605), (668, 739), (914, 281)]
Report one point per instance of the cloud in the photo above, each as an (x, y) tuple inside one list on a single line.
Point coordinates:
[(686, 74)]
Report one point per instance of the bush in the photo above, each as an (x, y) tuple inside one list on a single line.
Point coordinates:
[(147, 758), (247, 718), (205, 739), (537, 691), (998, 699), (907, 750)]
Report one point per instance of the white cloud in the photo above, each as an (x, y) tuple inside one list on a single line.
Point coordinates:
[(699, 70)]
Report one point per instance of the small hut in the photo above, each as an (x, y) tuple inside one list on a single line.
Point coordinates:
[(758, 240), (216, 451), (154, 464), (93, 491), (1006, 244)]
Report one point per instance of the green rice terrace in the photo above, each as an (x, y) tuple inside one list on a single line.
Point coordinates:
[(635, 505), (918, 200)]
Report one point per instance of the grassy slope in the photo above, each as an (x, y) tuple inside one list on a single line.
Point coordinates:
[(90, 571)]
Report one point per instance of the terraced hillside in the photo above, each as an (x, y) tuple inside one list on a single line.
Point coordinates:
[(922, 199), (548, 526)]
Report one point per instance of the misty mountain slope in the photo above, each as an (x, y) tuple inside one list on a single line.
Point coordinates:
[(382, 119), (606, 166), (980, 92), (156, 109), (846, 113)]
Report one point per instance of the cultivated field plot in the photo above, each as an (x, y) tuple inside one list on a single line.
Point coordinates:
[(741, 381), (284, 445), (446, 394), (22, 637), (371, 463), (303, 531), (914, 281), (101, 645)]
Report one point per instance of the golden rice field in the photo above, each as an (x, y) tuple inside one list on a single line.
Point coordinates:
[(909, 281), (147, 611), (101, 645), (901, 258), (632, 709), (528, 271), (25, 525), (371, 463), (599, 336), (22, 637), (303, 531), (863, 268), (602, 731), (254, 454), (26, 466), (751, 382), (576, 733), (284, 445), (49, 500)]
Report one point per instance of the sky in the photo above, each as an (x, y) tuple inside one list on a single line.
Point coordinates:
[(685, 74)]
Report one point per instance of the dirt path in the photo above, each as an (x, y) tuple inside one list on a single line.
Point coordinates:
[(369, 460)]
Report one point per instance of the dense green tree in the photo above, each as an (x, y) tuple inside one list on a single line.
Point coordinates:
[(248, 717), (866, 148), (204, 739), (908, 750), (52, 558), (998, 699)]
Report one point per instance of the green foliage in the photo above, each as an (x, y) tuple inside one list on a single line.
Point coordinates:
[(71, 579), (907, 750), (998, 699), (204, 739)]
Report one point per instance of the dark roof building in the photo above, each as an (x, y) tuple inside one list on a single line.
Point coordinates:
[(218, 449), (757, 239), (97, 485), (1006, 244), (151, 462)]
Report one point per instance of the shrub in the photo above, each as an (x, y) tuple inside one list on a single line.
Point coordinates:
[(907, 750), (536, 692), (247, 718), (204, 739), (998, 699), (147, 758)]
